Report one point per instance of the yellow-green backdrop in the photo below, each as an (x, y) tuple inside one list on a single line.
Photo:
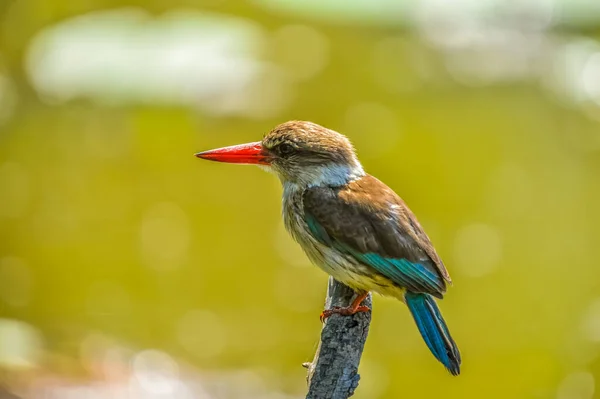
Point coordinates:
[(126, 261)]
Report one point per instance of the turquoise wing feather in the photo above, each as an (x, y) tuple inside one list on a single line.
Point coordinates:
[(411, 275), (378, 233)]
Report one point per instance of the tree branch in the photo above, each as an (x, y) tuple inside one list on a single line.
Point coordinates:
[(333, 374)]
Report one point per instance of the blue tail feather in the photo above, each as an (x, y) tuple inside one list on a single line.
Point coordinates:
[(434, 331)]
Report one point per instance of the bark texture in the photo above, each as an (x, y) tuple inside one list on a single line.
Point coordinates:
[(333, 374)]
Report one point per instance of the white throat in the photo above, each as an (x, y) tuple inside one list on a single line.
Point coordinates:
[(333, 175), (330, 175)]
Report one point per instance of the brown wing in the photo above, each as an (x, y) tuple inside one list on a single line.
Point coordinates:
[(370, 222)]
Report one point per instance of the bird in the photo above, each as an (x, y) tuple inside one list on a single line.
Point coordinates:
[(352, 225)]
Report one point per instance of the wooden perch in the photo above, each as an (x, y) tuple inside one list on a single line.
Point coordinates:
[(333, 374)]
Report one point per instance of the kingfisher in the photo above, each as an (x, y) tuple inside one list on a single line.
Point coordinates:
[(352, 226)]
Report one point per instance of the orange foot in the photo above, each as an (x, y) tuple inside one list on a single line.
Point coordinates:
[(355, 307)]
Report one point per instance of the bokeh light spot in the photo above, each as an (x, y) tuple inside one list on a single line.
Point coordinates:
[(590, 78), (127, 56), (577, 385), (20, 345), (156, 372), (591, 321)]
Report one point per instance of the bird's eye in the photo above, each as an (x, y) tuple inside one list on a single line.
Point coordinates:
[(285, 149)]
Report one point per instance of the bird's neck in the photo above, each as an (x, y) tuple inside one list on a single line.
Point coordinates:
[(333, 175), (336, 175)]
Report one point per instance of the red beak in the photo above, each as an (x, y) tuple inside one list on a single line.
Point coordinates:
[(251, 154)]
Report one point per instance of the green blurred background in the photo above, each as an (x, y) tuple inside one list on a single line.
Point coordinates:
[(130, 269)]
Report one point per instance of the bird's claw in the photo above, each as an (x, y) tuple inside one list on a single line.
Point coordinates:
[(347, 311), (328, 312)]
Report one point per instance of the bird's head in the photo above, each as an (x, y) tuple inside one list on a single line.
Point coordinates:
[(299, 152)]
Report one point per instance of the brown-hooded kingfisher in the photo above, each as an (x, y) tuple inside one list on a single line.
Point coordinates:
[(352, 225)]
